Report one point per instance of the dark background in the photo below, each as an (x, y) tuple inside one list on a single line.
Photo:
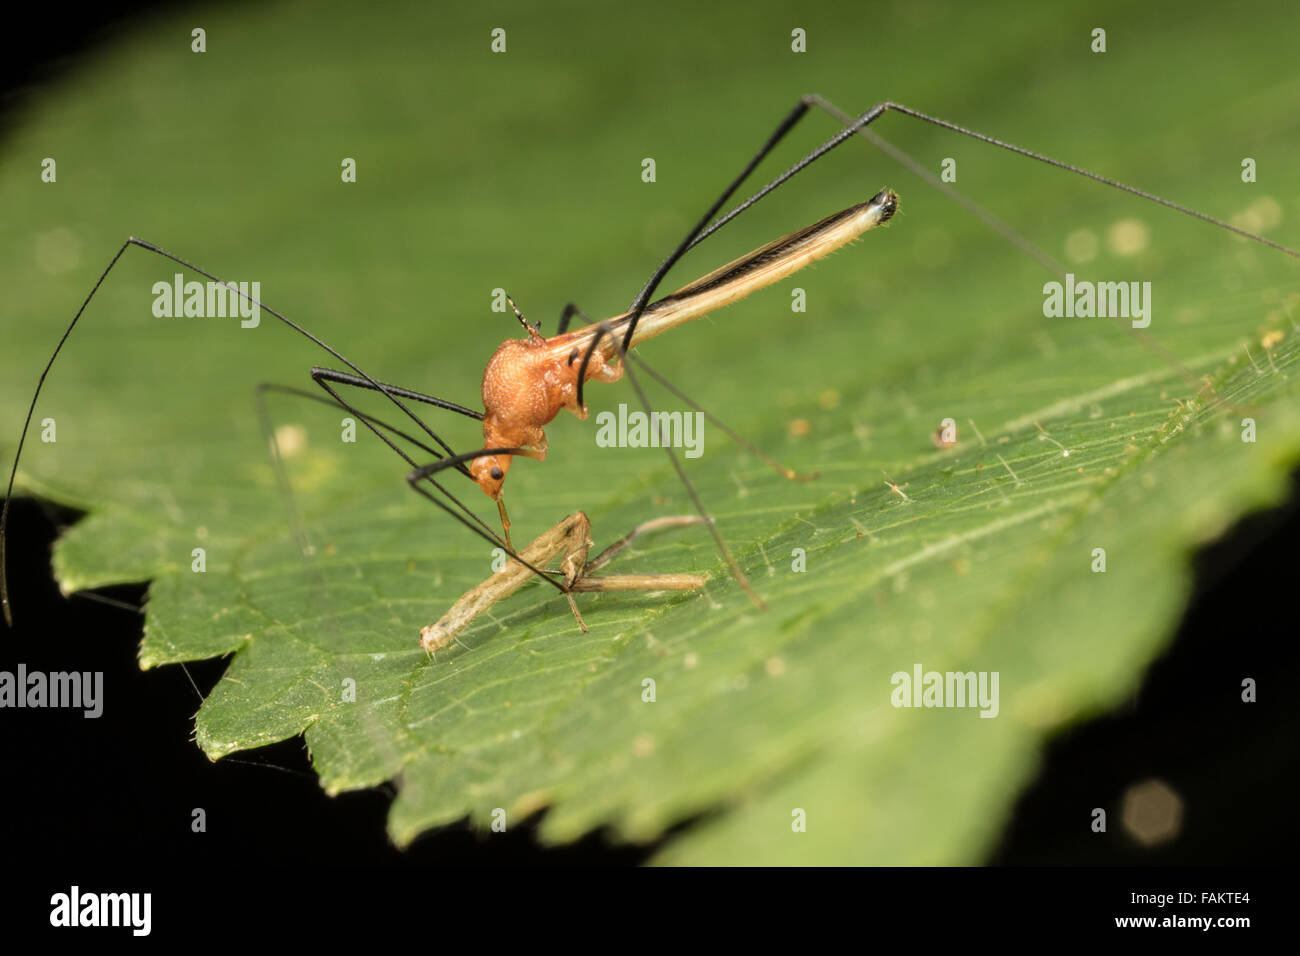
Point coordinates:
[(95, 792)]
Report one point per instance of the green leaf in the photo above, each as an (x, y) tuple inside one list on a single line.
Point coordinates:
[(522, 170)]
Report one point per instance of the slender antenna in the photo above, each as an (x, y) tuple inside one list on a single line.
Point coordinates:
[(533, 330)]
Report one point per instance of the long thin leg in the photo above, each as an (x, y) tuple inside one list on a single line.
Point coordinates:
[(9, 491), (639, 305), (605, 329), (465, 516), (343, 378), (264, 416), (566, 316), (571, 310), (157, 250), (322, 400), (706, 226), (694, 495), (425, 471), (378, 426), (919, 170), (289, 322), (643, 297), (645, 527), (452, 460), (1002, 229), (569, 540), (413, 479), (775, 465), (881, 108), (321, 375)]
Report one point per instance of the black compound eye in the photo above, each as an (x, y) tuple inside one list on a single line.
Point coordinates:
[(497, 473)]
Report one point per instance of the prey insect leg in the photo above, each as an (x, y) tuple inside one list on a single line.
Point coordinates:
[(570, 540), (645, 527)]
